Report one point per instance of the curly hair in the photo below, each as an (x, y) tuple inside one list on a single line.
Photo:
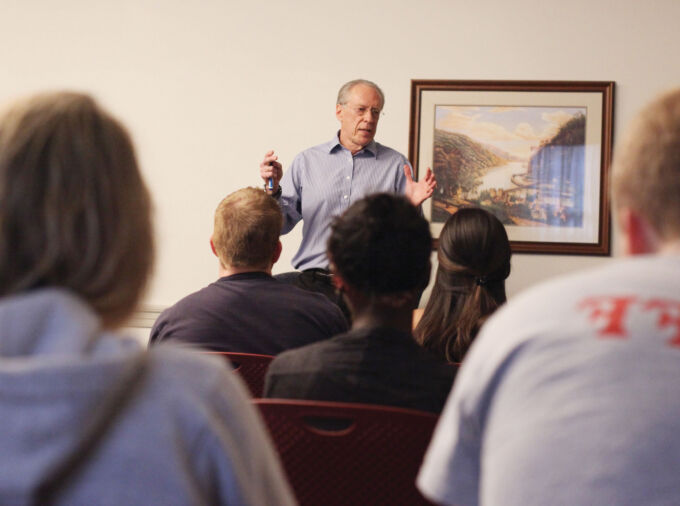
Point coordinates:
[(381, 245)]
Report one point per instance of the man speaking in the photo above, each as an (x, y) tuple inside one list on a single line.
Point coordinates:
[(324, 180)]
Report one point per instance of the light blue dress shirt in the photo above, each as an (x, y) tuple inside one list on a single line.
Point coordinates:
[(323, 181)]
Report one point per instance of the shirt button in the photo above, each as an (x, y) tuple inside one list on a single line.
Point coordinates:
[(347, 177), (344, 197)]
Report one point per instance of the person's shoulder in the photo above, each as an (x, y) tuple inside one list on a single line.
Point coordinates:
[(179, 361), (192, 300), (185, 374), (308, 297), (301, 354), (201, 399), (323, 148), (308, 355), (551, 311), (612, 275), (308, 301), (558, 301), (386, 151), (184, 308), (307, 159), (648, 272), (547, 293)]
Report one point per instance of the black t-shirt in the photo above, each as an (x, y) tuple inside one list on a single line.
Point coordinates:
[(373, 366), (250, 313)]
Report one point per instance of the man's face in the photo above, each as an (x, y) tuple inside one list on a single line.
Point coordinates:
[(359, 117)]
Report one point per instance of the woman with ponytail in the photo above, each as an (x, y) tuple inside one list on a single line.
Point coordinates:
[(474, 261)]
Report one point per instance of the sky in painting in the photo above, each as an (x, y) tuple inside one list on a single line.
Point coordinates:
[(515, 130)]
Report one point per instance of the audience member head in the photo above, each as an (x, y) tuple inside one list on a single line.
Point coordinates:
[(74, 211), (379, 250), (474, 261), (246, 233), (646, 177)]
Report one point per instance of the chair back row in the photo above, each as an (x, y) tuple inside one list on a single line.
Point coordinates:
[(339, 453), (251, 367)]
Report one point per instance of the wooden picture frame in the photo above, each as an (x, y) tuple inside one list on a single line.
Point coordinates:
[(535, 153)]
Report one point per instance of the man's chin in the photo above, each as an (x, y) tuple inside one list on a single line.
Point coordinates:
[(365, 139)]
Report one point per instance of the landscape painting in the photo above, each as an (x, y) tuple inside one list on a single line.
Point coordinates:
[(524, 164), (534, 153)]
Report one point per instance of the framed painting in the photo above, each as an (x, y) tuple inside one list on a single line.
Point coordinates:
[(534, 153)]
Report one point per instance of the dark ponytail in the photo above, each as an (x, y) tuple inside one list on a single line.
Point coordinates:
[(474, 261)]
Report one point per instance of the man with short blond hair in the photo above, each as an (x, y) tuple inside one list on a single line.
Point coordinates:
[(236, 241), (569, 394), (646, 180), (246, 310)]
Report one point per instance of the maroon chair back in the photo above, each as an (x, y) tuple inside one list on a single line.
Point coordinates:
[(250, 366), (339, 454)]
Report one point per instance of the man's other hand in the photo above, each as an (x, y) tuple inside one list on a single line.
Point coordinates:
[(419, 191)]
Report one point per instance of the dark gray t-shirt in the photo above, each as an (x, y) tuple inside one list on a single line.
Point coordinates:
[(371, 366), (249, 313)]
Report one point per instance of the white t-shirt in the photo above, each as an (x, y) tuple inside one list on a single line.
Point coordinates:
[(570, 395)]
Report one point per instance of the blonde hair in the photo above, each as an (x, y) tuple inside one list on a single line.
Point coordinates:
[(74, 210), (646, 167), (247, 228)]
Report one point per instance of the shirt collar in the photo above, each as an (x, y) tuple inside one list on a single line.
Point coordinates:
[(247, 275), (334, 144)]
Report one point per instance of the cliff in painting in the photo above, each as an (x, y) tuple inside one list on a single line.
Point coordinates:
[(524, 178)]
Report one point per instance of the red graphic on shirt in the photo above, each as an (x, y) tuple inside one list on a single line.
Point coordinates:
[(669, 316), (610, 310), (610, 314)]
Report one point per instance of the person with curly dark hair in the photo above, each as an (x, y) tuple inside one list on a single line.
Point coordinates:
[(379, 252), (474, 261)]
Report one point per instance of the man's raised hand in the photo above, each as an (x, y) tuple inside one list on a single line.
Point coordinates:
[(419, 191), (271, 168)]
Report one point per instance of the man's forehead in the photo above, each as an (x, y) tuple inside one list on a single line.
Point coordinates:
[(363, 94)]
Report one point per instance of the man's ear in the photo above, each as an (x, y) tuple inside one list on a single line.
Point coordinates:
[(277, 252), (338, 282), (638, 236), (338, 111), (212, 247)]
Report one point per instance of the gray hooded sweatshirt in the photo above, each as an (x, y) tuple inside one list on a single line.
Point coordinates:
[(186, 436)]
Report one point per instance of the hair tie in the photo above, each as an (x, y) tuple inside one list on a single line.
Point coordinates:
[(481, 280)]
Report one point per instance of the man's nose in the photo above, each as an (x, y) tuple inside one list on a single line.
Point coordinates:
[(370, 116)]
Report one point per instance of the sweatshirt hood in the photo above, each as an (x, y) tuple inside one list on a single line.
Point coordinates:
[(45, 322), (56, 365)]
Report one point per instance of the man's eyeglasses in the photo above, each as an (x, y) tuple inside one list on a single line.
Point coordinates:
[(361, 111)]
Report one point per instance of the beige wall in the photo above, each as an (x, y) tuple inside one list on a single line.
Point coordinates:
[(207, 86)]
